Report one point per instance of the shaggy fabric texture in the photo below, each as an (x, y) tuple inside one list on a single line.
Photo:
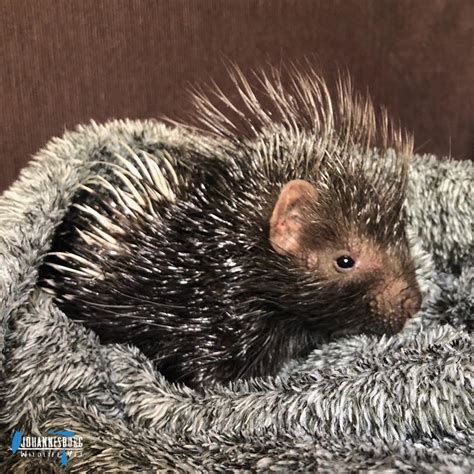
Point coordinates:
[(358, 403)]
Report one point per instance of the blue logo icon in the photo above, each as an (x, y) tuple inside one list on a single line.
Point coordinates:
[(16, 441)]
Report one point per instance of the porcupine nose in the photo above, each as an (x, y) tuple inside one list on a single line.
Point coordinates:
[(411, 303)]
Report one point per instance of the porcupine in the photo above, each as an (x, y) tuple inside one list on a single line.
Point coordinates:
[(225, 261)]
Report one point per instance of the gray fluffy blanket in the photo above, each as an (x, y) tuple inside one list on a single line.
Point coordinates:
[(402, 403)]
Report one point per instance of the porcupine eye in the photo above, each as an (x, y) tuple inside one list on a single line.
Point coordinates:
[(344, 263)]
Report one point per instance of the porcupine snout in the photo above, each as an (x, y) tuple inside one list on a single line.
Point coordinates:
[(411, 303), (394, 304)]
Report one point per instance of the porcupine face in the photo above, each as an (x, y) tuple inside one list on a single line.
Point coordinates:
[(359, 267)]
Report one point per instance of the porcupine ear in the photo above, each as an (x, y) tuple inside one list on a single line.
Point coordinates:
[(286, 222)]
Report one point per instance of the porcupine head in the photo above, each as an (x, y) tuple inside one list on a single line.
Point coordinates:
[(287, 223)]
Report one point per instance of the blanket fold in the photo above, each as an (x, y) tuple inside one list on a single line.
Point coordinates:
[(359, 403)]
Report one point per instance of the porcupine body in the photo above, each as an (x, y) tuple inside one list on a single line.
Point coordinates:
[(171, 251)]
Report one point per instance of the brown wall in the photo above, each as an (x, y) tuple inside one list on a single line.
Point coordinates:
[(64, 62)]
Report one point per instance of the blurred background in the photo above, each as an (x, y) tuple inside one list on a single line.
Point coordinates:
[(66, 62)]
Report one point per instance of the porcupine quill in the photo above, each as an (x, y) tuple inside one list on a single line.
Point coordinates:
[(286, 223)]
